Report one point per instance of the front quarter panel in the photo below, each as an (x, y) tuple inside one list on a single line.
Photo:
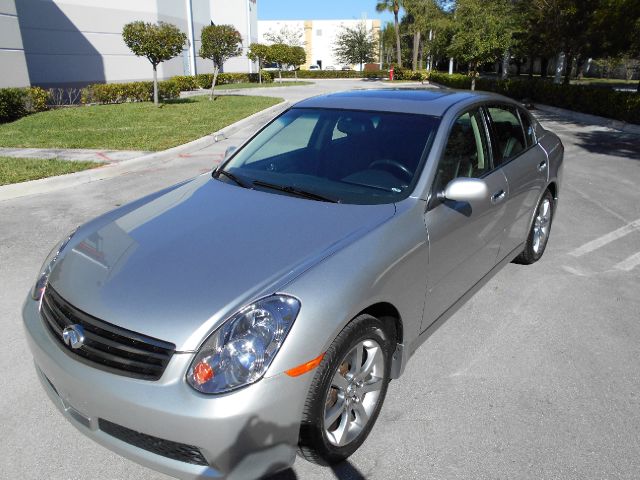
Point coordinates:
[(387, 265)]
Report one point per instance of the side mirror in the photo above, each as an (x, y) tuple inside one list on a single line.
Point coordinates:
[(229, 151), (466, 190)]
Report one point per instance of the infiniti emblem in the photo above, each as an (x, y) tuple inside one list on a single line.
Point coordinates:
[(73, 336)]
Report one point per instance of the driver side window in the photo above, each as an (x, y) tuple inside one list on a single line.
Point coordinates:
[(466, 153)]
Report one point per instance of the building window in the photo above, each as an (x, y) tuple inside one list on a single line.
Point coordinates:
[(319, 32)]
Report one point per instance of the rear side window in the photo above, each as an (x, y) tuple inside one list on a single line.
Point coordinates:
[(507, 131), (529, 128)]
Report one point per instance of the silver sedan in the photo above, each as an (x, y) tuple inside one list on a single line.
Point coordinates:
[(218, 327)]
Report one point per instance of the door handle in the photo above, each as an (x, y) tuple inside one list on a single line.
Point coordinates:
[(542, 165), (498, 196)]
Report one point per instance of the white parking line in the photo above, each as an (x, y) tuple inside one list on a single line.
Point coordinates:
[(605, 239), (628, 264)]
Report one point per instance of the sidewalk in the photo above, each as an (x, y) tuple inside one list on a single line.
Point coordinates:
[(210, 146)]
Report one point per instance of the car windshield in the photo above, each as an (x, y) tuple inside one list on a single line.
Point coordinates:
[(359, 157)]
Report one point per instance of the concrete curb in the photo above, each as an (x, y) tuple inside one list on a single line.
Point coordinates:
[(45, 185)]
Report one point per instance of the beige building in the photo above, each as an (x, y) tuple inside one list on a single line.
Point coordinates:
[(76, 42), (317, 37)]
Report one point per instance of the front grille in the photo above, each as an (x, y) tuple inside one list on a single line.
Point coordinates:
[(107, 346), (166, 448)]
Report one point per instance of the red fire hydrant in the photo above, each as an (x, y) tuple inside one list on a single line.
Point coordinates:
[(391, 74)]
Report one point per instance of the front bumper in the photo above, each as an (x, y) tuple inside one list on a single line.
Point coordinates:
[(244, 434)]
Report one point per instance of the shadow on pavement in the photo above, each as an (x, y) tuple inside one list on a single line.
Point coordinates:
[(610, 143), (342, 471)]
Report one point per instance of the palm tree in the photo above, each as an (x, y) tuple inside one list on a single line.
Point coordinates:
[(392, 6)]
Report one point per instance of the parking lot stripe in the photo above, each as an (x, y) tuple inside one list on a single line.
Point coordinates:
[(629, 263), (605, 239)]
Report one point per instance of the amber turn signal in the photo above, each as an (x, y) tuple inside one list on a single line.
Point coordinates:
[(305, 367)]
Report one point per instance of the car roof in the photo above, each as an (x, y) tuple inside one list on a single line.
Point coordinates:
[(420, 101)]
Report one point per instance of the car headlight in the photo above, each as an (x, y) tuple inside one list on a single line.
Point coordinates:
[(241, 350), (47, 267)]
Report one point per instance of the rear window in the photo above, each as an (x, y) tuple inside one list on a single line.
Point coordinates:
[(507, 132)]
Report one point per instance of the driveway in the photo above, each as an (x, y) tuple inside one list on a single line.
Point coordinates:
[(538, 376)]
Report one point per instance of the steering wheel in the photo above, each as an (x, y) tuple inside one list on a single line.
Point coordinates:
[(397, 166)]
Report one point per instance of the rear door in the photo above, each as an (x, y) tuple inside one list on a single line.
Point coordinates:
[(525, 166), (464, 238)]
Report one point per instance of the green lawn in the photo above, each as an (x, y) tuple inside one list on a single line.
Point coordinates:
[(606, 82), (130, 126), (14, 170), (276, 83)]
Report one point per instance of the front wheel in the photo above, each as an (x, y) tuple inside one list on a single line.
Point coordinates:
[(539, 233), (347, 392)]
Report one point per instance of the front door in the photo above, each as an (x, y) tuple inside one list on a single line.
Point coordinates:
[(464, 238)]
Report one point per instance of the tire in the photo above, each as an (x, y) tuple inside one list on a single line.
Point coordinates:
[(344, 394), (540, 230)]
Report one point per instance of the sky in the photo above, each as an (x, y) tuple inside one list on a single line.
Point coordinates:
[(319, 10)]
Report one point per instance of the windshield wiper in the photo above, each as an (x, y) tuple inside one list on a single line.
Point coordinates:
[(294, 191), (377, 187), (231, 176)]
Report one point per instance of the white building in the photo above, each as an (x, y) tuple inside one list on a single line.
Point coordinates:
[(318, 37), (76, 42)]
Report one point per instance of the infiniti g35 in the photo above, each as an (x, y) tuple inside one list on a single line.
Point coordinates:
[(217, 327)]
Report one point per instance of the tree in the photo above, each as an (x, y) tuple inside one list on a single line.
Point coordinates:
[(392, 6), (157, 42), (286, 36), (480, 35), (279, 53), (258, 52), (219, 43), (297, 57), (356, 45), (388, 35), (423, 16)]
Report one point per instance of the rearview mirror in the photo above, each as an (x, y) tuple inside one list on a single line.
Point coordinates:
[(466, 190)]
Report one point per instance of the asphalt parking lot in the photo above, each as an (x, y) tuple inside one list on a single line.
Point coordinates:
[(538, 376)]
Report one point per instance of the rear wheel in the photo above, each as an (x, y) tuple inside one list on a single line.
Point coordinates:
[(539, 233), (347, 392)]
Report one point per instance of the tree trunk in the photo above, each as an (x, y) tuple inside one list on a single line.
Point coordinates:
[(213, 83), (472, 72), (260, 71), (504, 72), (451, 66), (416, 47), (544, 67), (155, 85), (396, 8), (568, 68), (559, 66), (280, 75)]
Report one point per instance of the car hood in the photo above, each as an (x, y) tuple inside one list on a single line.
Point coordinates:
[(179, 264)]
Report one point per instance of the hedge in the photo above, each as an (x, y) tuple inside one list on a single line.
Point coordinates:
[(203, 80), (609, 103), (18, 102), (129, 92)]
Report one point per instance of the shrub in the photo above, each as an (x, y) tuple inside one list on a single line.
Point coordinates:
[(323, 74), (624, 106), (203, 80), (129, 92), (185, 82), (18, 102)]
